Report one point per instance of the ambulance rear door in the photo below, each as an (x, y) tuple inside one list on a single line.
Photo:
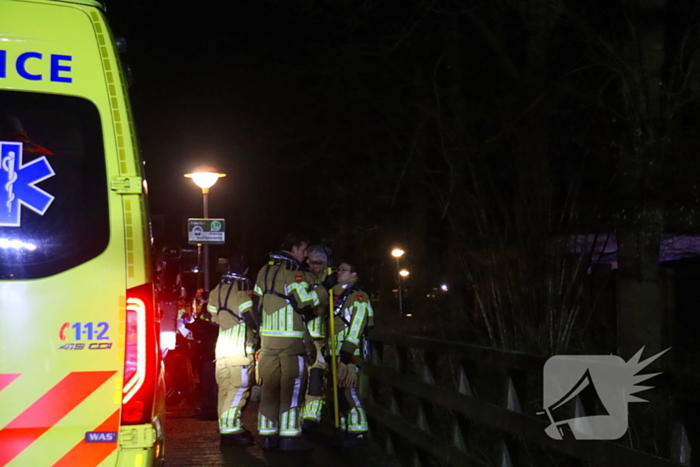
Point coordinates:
[(63, 248)]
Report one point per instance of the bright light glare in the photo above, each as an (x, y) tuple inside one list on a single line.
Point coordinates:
[(404, 273), (408, 315), (6, 243), (204, 179), (205, 176), (444, 288), (397, 252)]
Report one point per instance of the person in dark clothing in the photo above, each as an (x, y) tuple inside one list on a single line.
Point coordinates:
[(204, 334)]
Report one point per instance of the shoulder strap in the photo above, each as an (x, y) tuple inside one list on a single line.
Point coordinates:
[(225, 304), (270, 289), (342, 298)]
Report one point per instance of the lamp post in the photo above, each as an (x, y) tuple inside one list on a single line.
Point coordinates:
[(398, 253), (403, 274), (205, 177)]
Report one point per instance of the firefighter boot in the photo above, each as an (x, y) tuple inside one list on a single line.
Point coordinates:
[(244, 438), (344, 439), (269, 442), (309, 426), (295, 443)]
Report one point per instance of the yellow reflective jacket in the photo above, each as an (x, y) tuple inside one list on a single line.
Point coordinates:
[(228, 303), (317, 325), (353, 312), (284, 292)]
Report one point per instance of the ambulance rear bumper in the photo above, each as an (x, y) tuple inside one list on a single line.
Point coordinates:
[(141, 445)]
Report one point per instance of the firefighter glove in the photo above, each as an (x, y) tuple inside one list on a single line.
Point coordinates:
[(330, 281), (307, 313), (342, 373), (350, 380)]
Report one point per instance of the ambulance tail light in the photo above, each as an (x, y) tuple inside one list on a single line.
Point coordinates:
[(141, 356)]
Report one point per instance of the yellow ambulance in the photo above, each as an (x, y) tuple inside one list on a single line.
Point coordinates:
[(80, 373)]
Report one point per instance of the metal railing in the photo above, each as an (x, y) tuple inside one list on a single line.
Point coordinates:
[(446, 403)]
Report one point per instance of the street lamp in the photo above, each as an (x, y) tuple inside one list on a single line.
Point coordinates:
[(205, 177), (398, 253)]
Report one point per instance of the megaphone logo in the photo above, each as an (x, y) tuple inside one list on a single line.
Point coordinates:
[(586, 396)]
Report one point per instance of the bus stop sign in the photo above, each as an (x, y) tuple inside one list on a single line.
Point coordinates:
[(209, 231)]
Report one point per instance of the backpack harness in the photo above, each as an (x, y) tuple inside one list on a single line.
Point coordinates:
[(230, 280), (337, 311), (276, 259)]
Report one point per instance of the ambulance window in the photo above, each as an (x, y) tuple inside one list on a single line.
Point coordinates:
[(53, 189)]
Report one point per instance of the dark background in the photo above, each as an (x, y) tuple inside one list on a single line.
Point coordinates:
[(223, 83), (480, 136)]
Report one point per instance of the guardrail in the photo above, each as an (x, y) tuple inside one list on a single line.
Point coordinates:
[(432, 402)]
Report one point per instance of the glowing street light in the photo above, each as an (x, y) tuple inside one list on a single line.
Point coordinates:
[(404, 273), (205, 176), (397, 253)]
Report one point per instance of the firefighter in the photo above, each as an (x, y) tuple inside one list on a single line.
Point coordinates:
[(315, 392), (353, 317), (284, 295), (230, 306)]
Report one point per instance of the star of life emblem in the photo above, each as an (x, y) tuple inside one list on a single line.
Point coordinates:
[(17, 184)]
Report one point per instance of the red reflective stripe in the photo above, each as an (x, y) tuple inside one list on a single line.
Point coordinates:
[(47, 411), (7, 378), (91, 454)]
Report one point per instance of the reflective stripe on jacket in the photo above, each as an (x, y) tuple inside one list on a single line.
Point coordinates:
[(351, 320), (283, 292)]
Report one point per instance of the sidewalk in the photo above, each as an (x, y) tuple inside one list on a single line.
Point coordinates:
[(195, 443)]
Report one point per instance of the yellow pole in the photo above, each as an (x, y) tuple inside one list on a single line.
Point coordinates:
[(334, 364)]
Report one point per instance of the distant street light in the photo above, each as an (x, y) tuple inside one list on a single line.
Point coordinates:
[(404, 273), (398, 253), (205, 177)]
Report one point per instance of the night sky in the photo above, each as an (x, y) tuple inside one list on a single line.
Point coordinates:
[(222, 85), (449, 127)]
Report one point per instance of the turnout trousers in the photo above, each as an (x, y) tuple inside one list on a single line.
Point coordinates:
[(315, 396), (235, 383), (353, 418), (316, 388), (283, 375)]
